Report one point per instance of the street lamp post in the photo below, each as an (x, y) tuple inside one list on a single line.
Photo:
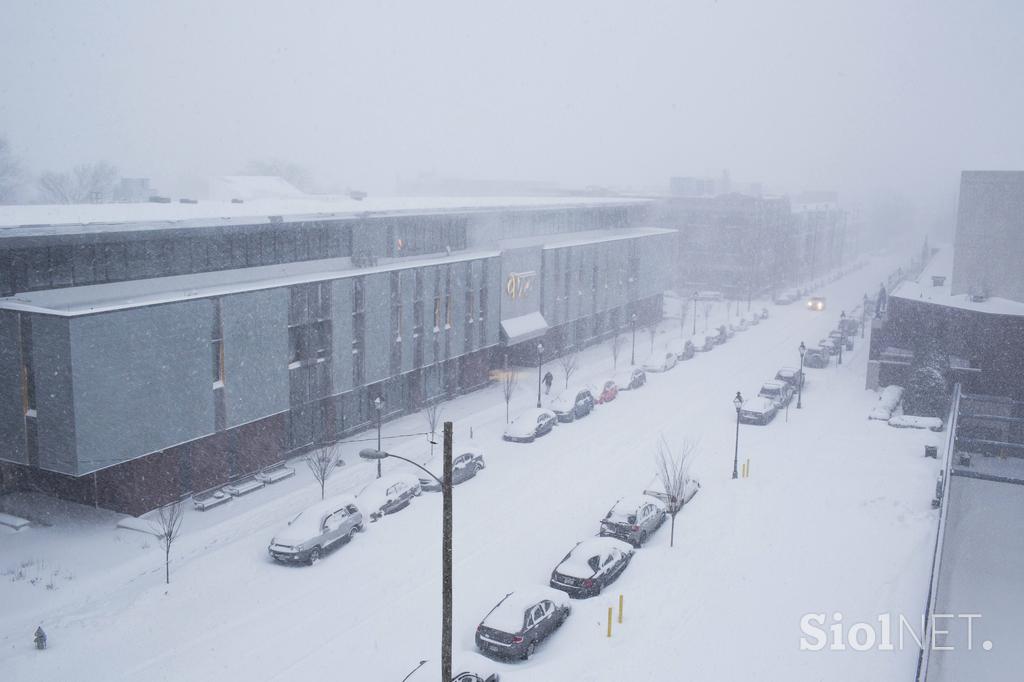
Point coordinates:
[(800, 381), (738, 402), (378, 403), (695, 313), (632, 352), (540, 362), (842, 334), (446, 542)]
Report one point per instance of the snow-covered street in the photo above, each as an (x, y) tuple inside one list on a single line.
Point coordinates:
[(834, 517)]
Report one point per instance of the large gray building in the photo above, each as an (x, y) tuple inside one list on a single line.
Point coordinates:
[(989, 245), (152, 351)]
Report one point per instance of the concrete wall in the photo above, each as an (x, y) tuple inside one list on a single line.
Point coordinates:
[(12, 417), (255, 354), (989, 243), (142, 381)]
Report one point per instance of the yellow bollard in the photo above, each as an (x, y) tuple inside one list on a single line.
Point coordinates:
[(620, 609), (609, 621)]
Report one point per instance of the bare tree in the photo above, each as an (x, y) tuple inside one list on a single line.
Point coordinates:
[(706, 309), (569, 362), (509, 383), (684, 311), (674, 474), (84, 183), (652, 333), (168, 522), (322, 463), (11, 173), (617, 343), (433, 413)]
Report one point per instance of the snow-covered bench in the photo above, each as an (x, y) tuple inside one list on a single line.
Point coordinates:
[(905, 421), (243, 487), (210, 500), (275, 473)]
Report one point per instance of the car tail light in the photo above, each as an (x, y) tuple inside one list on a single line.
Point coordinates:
[(634, 528), (516, 639), (588, 583)]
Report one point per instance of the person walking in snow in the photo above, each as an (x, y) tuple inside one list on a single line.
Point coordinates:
[(549, 378)]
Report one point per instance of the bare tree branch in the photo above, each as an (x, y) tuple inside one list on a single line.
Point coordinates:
[(169, 523), (433, 413), (509, 383), (569, 362), (322, 463), (674, 473)]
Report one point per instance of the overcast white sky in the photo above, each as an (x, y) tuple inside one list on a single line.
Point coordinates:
[(855, 95)]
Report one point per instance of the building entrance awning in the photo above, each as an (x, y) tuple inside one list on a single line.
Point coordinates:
[(523, 328)]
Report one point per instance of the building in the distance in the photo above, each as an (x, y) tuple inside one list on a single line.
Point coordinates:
[(149, 351), (968, 302)]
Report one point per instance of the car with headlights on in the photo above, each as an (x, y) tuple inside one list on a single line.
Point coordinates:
[(630, 379), (388, 494), (758, 411), (530, 425), (465, 465), (518, 624), (573, 404), (633, 519), (591, 566), (316, 530), (816, 303)]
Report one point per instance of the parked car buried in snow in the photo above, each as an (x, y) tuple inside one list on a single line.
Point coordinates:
[(779, 392), (609, 391), (816, 358), (630, 379), (591, 566), (633, 519), (683, 348), (388, 495), (530, 425), (573, 404), (521, 621), (465, 466), (317, 529), (709, 344), (661, 361), (758, 411), (791, 375)]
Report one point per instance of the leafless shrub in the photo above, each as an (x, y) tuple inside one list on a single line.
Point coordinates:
[(322, 463), (168, 521), (433, 414), (569, 362), (674, 474)]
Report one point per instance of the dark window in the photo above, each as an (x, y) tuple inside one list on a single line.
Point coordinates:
[(28, 380)]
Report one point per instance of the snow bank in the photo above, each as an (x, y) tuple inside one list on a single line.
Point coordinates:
[(910, 422), (15, 522), (887, 403)]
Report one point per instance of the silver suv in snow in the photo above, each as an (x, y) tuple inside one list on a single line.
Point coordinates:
[(321, 527)]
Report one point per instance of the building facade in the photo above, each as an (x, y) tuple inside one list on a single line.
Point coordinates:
[(147, 360)]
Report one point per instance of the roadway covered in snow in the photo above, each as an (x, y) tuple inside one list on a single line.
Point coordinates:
[(835, 517)]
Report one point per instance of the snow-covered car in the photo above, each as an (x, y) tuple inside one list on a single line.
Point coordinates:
[(764, 314), (723, 334), (521, 621), (816, 303), (609, 391), (758, 411), (591, 566), (709, 344), (466, 667), (779, 392), (630, 379), (633, 519), (531, 424), (320, 527), (661, 361), (573, 404), (829, 345), (683, 348), (388, 494), (740, 326), (465, 466), (816, 358), (849, 326), (786, 297), (791, 375)]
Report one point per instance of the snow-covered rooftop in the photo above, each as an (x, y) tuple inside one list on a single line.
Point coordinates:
[(582, 238), (941, 265), (97, 298), (36, 220)]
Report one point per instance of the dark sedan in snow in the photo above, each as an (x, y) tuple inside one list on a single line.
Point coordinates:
[(530, 425), (521, 621), (591, 566), (633, 519), (630, 379), (759, 410), (464, 467)]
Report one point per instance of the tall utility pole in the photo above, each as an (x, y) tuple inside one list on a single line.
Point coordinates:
[(446, 559)]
